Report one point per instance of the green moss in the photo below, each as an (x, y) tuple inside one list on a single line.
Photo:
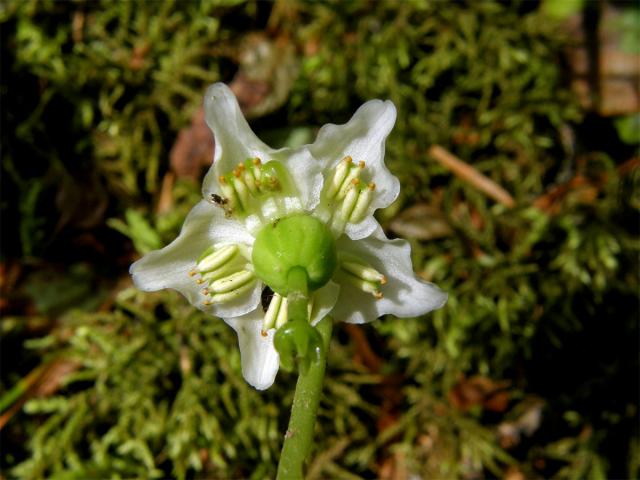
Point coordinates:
[(542, 298)]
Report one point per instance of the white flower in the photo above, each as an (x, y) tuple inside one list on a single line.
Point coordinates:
[(340, 180)]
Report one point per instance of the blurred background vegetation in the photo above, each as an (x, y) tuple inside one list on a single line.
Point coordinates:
[(517, 147)]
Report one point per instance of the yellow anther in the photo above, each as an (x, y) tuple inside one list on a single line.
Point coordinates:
[(236, 173), (206, 302), (192, 273), (263, 333), (378, 295), (372, 186), (257, 162), (205, 291), (383, 280), (199, 281), (361, 164), (222, 180), (347, 159), (241, 167), (355, 181)]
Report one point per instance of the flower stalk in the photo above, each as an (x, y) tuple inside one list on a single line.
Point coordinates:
[(297, 440)]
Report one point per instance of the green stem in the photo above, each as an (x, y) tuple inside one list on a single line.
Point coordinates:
[(297, 440), (298, 296)]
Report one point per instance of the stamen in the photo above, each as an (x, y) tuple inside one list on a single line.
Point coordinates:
[(217, 258), (232, 282), (353, 174), (365, 286), (283, 315), (242, 191), (272, 312), (339, 174), (349, 202), (228, 296), (250, 180), (221, 272), (362, 205), (364, 272), (192, 273), (229, 192), (361, 164), (362, 275)]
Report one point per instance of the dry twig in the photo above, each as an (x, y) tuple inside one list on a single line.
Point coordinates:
[(469, 174)]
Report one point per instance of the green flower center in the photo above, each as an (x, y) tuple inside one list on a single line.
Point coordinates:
[(296, 241)]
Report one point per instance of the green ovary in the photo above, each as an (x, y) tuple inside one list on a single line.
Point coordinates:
[(295, 241)]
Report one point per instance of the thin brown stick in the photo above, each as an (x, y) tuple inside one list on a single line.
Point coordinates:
[(469, 174)]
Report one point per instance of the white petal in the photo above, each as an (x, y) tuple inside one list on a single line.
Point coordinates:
[(324, 299), (170, 266), (260, 360), (363, 138), (405, 295), (306, 174), (356, 231), (234, 139)]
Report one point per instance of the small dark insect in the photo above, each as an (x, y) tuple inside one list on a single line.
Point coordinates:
[(275, 223), (215, 198), (221, 202), (267, 295)]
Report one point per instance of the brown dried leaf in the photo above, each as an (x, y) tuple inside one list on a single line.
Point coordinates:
[(267, 71), (193, 149)]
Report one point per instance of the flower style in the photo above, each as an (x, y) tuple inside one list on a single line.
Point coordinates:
[(266, 211)]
